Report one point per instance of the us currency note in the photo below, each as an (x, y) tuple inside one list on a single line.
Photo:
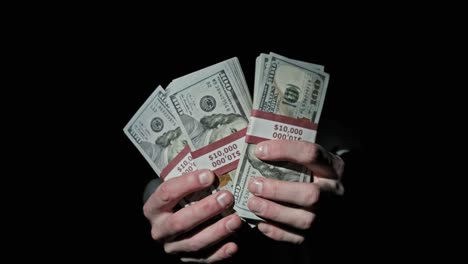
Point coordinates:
[(213, 106), (288, 88), (261, 64), (156, 133), (231, 65)]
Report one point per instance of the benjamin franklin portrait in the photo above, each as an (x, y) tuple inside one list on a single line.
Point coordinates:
[(212, 128), (165, 148)]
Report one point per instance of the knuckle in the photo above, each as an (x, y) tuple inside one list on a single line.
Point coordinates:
[(312, 195), (193, 180), (270, 211), (310, 152), (147, 210), (194, 245), (259, 207), (163, 192), (156, 234), (306, 222), (338, 165), (274, 149), (271, 188), (276, 234), (207, 206), (175, 225), (234, 224)]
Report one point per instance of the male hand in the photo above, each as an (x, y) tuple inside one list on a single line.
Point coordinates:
[(287, 206), (188, 230)]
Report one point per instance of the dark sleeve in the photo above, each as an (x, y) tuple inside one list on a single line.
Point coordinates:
[(150, 188)]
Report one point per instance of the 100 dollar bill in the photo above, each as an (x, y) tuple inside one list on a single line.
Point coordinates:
[(288, 88), (156, 133), (213, 106)]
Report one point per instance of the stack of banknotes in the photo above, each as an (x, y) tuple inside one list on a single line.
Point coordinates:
[(207, 120)]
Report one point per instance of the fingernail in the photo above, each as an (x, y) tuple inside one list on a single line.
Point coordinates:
[(256, 187), (256, 205), (204, 177), (261, 150), (223, 199), (231, 225)]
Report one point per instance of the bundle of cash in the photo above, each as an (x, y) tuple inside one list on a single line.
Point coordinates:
[(198, 122), (207, 120), (213, 106), (288, 100), (157, 134)]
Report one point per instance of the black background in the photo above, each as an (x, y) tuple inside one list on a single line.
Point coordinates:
[(80, 78), (137, 75), (109, 74)]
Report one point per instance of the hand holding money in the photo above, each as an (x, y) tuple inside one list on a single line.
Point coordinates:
[(172, 227), (199, 121), (285, 205), (288, 100), (264, 157), (213, 106)]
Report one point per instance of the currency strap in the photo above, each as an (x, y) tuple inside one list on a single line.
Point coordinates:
[(180, 165), (221, 156), (265, 126)]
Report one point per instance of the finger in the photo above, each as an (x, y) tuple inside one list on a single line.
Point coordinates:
[(226, 251), (170, 192), (298, 193), (191, 216), (295, 217), (308, 154), (329, 185), (206, 237), (278, 233)]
